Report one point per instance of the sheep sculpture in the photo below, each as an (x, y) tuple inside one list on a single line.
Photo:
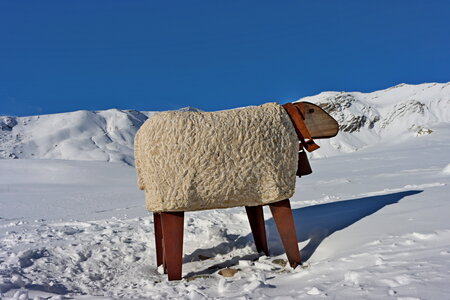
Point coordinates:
[(188, 161)]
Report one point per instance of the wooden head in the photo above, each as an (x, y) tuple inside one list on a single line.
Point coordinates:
[(319, 123)]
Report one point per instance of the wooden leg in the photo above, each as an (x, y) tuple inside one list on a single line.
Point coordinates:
[(256, 219), (172, 228), (282, 215), (158, 239)]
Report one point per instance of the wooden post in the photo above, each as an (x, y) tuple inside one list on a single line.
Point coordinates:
[(282, 215), (255, 216), (158, 239), (172, 228)]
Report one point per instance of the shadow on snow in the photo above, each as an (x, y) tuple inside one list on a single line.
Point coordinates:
[(313, 223), (317, 222)]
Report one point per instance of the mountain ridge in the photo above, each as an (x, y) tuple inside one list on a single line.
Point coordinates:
[(385, 116), (366, 119)]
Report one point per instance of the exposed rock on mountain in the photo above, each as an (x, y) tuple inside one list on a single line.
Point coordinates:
[(385, 116)]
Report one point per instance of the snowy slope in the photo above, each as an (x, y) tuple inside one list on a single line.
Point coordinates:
[(371, 224), (81, 135), (387, 116), (366, 119)]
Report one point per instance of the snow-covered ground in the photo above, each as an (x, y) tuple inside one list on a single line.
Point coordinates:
[(371, 224), (372, 220)]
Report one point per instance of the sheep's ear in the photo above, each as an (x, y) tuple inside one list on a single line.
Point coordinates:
[(319, 123)]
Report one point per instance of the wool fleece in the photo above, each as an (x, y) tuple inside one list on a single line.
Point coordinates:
[(189, 161)]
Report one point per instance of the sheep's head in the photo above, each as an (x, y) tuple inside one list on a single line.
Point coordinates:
[(319, 123)]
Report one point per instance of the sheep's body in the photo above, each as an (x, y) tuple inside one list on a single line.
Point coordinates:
[(189, 161)]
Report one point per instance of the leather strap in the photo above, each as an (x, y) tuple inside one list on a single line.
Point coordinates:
[(297, 116)]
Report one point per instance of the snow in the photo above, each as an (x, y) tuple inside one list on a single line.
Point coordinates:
[(371, 223), (367, 119), (80, 135), (386, 116), (106, 135)]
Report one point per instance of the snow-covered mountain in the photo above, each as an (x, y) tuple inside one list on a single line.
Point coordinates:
[(372, 224), (81, 135), (386, 116), (366, 119)]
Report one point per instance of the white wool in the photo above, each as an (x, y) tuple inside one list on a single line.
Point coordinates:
[(203, 160)]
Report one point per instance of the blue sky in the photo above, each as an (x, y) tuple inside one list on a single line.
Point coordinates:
[(58, 56)]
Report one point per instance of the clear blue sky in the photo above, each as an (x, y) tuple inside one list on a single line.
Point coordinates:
[(58, 56)]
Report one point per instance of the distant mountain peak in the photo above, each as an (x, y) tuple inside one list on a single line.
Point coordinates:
[(189, 108), (365, 119), (383, 116)]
